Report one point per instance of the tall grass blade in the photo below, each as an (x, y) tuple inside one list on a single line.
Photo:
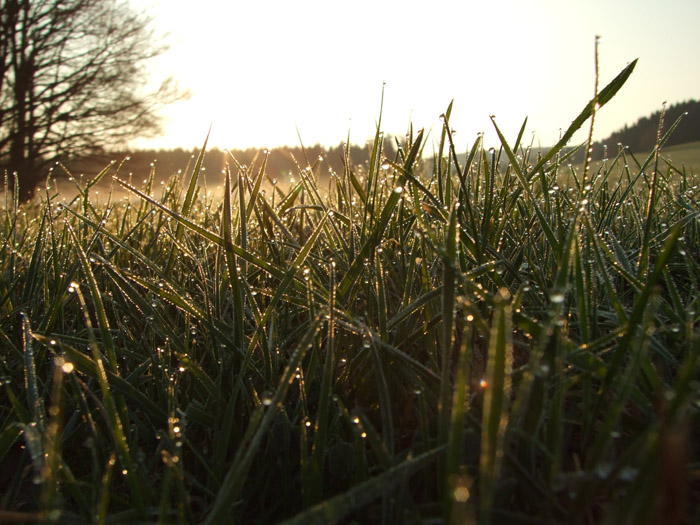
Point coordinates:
[(236, 476), (603, 98), (207, 234), (449, 294), (614, 366), (321, 428), (340, 506), (231, 260), (189, 201), (373, 239), (496, 403)]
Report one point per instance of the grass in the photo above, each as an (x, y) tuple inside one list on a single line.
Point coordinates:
[(687, 155), (477, 343), (677, 158)]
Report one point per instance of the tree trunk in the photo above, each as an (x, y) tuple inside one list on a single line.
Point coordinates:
[(22, 158)]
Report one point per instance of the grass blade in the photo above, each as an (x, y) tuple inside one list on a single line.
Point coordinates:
[(340, 506), (235, 478), (496, 401)]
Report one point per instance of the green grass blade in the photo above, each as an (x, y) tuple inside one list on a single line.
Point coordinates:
[(88, 366), (373, 240), (496, 403), (189, 201), (207, 234), (231, 261), (286, 281), (603, 98), (339, 507), (528, 190), (321, 428), (449, 293), (236, 476), (31, 383), (616, 361)]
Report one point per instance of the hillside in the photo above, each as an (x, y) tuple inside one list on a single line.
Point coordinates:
[(641, 136)]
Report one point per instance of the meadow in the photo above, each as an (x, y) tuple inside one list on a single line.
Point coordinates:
[(464, 340), (674, 158)]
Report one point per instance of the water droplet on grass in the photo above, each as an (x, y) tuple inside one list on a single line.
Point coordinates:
[(461, 494), (267, 397), (557, 297)]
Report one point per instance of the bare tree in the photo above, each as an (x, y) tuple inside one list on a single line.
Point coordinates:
[(73, 79)]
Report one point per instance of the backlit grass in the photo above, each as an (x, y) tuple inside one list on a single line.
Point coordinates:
[(477, 343)]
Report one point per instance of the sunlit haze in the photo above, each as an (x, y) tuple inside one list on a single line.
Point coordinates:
[(258, 71)]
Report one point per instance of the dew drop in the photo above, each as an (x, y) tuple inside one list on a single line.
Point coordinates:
[(461, 494), (557, 298), (267, 397)]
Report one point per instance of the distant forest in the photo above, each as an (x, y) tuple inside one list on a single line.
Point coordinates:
[(282, 162), (641, 136)]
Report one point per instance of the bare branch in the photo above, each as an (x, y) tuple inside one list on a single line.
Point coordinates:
[(72, 77)]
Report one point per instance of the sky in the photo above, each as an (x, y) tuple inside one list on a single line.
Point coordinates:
[(273, 73)]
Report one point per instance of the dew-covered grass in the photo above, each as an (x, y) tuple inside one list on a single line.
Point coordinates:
[(471, 342)]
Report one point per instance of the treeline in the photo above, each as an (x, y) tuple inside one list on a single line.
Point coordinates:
[(641, 136), (282, 162), (285, 162)]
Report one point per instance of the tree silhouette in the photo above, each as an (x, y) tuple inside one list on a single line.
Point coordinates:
[(72, 77)]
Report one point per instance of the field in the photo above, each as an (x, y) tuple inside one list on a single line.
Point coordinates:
[(684, 155), (463, 340), (678, 158)]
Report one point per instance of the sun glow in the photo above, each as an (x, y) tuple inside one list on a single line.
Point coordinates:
[(274, 73)]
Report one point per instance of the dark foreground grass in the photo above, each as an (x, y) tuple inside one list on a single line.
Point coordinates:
[(473, 344)]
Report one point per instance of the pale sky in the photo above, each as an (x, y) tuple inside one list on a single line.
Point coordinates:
[(258, 70)]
